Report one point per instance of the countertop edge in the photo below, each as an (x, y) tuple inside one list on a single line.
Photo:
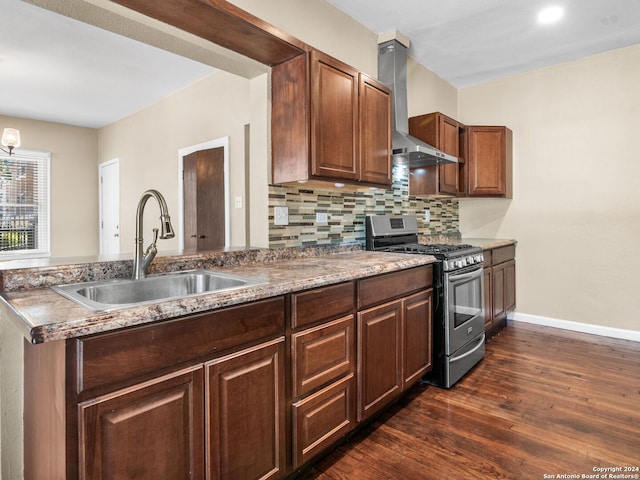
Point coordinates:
[(489, 243), (21, 307)]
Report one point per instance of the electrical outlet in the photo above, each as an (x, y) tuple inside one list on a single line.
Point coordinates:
[(281, 215), (322, 217), (427, 216), (238, 201)]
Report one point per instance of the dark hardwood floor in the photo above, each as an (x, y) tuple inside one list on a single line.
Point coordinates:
[(544, 401)]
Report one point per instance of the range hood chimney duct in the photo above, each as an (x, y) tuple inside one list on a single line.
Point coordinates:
[(392, 71)]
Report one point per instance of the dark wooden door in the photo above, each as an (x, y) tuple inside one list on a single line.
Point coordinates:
[(499, 311), (334, 118), (488, 297), (417, 326), (487, 161), (510, 286), (245, 403), (150, 431), (379, 357), (204, 209), (375, 132), (449, 143)]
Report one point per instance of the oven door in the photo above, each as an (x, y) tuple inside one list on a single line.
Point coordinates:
[(464, 312)]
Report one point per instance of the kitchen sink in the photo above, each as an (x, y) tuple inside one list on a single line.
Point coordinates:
[(107, 295)]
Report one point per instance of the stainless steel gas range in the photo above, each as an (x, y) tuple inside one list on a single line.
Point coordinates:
[(458, 327)]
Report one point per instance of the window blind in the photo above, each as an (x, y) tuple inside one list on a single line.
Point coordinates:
[(24, 205)]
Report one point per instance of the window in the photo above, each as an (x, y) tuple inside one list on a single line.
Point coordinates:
[(24, 205)]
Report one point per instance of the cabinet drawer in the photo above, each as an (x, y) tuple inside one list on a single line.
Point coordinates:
[(321, 303), (322, 354), (322, 418), (372, 291), (503, 254), (111, 358)]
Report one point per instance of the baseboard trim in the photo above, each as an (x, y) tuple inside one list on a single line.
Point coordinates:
[(622, 333)]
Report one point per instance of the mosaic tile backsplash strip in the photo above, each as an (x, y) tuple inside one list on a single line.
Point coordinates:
[(346, 211)]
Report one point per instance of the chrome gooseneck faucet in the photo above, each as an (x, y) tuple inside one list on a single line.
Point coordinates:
[(142, 260)]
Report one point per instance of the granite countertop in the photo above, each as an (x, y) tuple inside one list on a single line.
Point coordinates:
[(484, 243), (42, 315), (488, 243)]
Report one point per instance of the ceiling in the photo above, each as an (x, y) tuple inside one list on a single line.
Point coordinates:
[(58, 69), (468, 42)]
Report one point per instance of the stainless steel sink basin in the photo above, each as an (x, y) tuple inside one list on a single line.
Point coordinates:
[(107, 295)]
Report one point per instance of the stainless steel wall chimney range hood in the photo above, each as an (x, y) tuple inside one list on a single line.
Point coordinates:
[(392, 71)]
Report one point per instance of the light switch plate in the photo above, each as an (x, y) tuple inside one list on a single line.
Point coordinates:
[(281, 215), (427, 216)]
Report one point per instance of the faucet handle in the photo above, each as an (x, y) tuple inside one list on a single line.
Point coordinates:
[(151, 250)]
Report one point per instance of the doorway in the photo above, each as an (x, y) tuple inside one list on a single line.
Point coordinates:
[(204, 189), (109, 198)]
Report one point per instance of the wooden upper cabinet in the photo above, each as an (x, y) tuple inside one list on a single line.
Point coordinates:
[(375, 131), (443, 133), (329, 122), (334, 118), (490, 162)]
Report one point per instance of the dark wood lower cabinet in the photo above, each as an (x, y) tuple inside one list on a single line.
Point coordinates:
[(488, 298), (499, 287), (156, 429), (394, 347), (498, 303), (149, 431), (379, 357), (254, 391), (417, 321), (322, 418), (245, 414)]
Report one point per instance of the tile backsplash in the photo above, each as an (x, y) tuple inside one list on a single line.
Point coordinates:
[(346, 210)]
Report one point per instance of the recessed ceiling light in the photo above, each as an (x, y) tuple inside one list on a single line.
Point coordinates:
[(550, 14)]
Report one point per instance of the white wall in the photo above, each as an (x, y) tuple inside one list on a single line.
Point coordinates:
[(576, 205)]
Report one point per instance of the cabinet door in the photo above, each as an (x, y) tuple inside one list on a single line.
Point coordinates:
[(417, 324), (379, 357), (497, 297), (334, 118), (245, 414), (490, 161), (449, 143), (510, 286), (149, 431), (443, 133), (375, 132), (488, 297)]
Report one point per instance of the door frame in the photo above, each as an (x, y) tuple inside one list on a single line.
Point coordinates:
[(101, 166), (183, 152)]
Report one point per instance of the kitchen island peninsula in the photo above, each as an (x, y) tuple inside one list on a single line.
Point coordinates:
[(253, 381)]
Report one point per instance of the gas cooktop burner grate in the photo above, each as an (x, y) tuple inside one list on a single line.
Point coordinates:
[(428, 249)]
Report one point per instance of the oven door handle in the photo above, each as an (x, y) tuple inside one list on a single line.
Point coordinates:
[(455, 359), (463, 276)]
